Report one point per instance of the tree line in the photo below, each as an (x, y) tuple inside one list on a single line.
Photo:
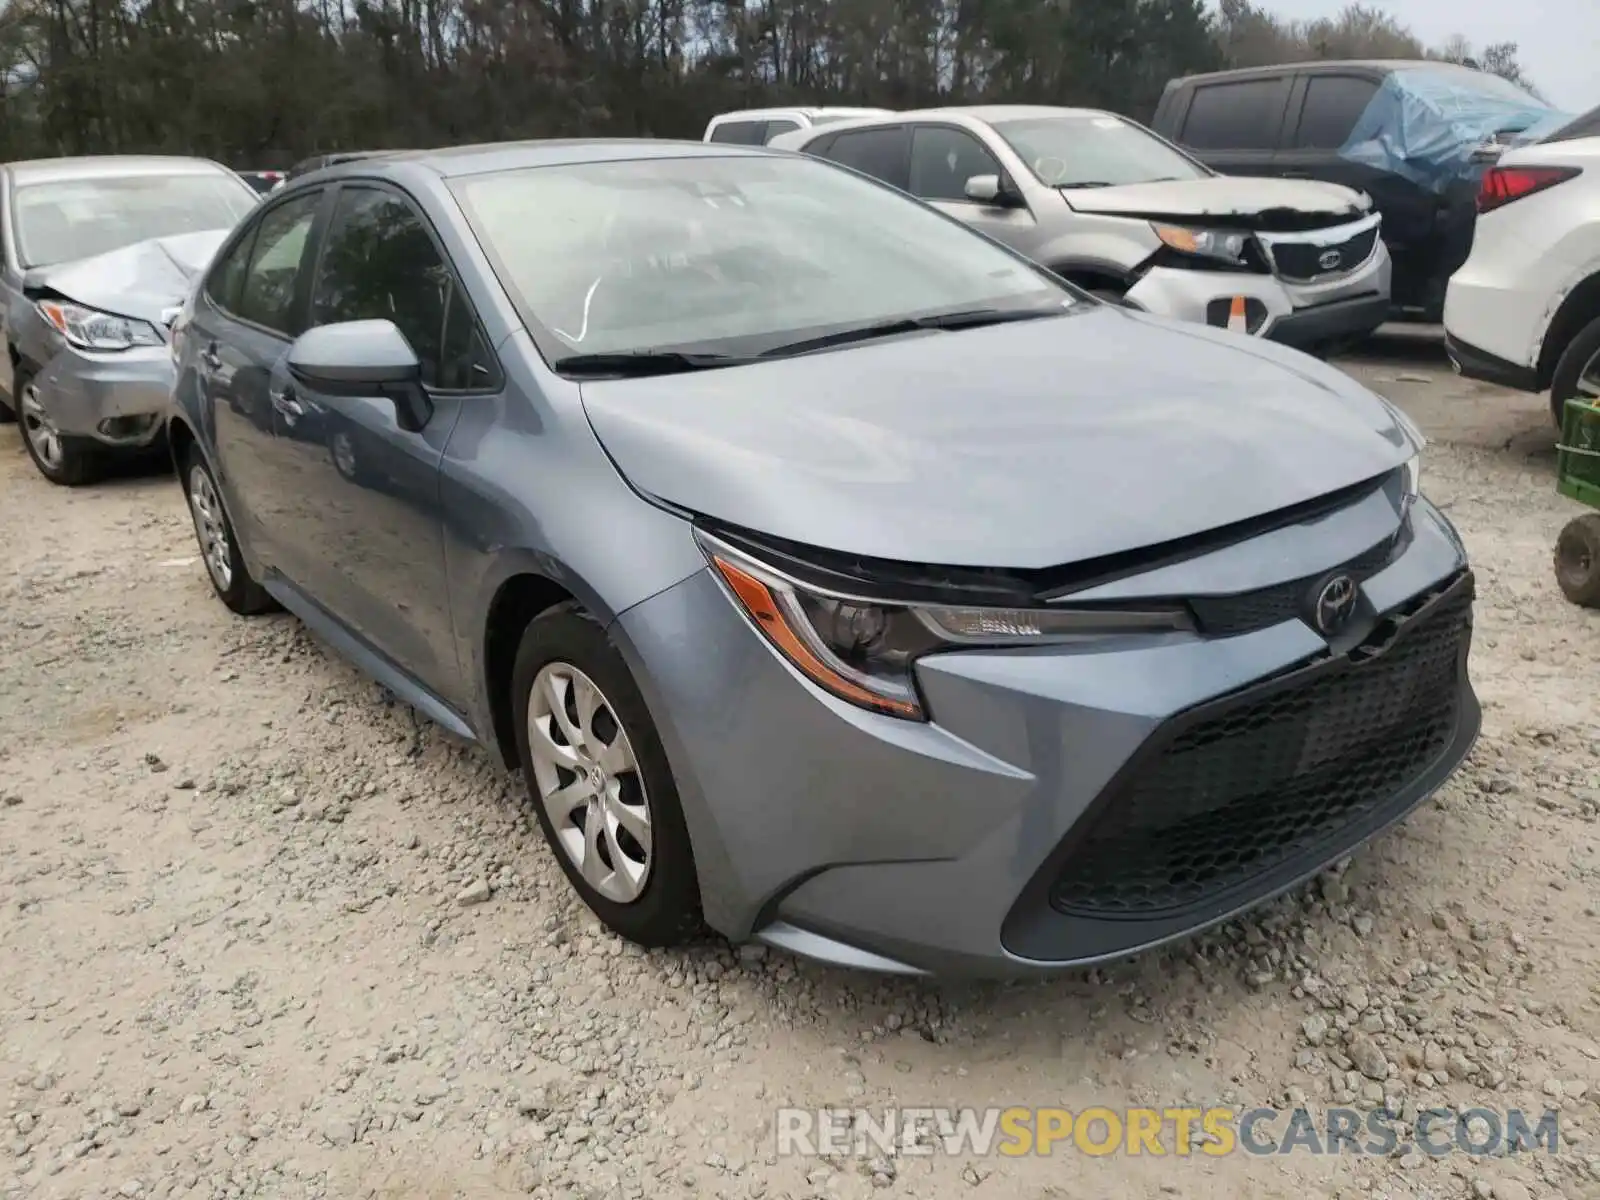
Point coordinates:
[(261, 83)]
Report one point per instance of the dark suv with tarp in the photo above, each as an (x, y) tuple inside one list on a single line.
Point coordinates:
[(1414, 135)]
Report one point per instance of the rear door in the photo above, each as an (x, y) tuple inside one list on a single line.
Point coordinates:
[(249, 309), (1416, 222), (1235, 126), (882, 151)]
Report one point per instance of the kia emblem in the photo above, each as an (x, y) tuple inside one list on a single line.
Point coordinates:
[(1331, 260)]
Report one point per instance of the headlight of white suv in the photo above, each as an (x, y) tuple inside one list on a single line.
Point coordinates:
[(91, 329), (1220, 244)]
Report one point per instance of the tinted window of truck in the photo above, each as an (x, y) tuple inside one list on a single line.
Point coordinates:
[(880, 153), (740, 133), (774, 128), (1334, 103), (1235, 116)]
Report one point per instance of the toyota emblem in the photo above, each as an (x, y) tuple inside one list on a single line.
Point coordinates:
[(1330, 260), (1335, 604)]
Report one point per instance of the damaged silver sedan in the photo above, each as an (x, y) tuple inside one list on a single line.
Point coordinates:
[(98, 254)]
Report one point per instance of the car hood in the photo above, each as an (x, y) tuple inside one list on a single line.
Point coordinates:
[(144, 280), (1221, 196), (1023, 445)]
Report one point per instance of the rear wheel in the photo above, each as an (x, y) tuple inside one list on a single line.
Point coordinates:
[(225, 566), (68, 461), (600, 783), (1577, 373)]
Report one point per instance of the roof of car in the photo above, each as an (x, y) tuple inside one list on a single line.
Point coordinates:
[(107, 166), (806, 110), (1322, 66), (455, 161)]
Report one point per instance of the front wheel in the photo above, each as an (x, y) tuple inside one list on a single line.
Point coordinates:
[(225, 566), (600, 783), (62, 459)]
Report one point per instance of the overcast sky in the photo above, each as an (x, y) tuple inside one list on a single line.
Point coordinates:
[(1558, 41)]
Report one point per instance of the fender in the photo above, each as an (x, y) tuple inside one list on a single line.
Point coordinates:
[(1563, 316)]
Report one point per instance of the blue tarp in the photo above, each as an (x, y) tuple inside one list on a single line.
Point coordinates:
[(1425, 125)]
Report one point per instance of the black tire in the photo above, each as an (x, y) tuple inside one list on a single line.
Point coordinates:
[(1578, 560), (667, 911), (1580, 352), (239, 591), (76, 462)]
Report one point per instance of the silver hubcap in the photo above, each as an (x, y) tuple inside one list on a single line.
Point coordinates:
[(344, 455), (589, 782), (210, 528), (39, 429), (1589, 379)]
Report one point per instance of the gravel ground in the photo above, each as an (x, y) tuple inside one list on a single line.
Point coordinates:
[(265, 933)]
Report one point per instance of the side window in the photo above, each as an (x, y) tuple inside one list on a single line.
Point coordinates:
[(226, 278), (266, 293), (740, 133), (1235, 116), (1586, 126), (943, 159), (1334, 103), (877, 152), (379, 263), (819, 146), (774, 128)]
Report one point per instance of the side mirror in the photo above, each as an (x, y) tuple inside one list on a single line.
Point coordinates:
[(994, 189), (985, 189), (363, 358)]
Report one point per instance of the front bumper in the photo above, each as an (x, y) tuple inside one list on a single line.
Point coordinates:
[(1348, 308), (977, 843), (116, 400)]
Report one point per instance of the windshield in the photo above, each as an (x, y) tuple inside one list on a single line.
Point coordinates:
[(752, 251), (1094, 150), (78, 218)]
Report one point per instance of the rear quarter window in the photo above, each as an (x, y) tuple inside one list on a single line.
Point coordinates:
[(1244, 115)]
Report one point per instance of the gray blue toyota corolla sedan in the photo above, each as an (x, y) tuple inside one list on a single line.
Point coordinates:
[(836, 577)]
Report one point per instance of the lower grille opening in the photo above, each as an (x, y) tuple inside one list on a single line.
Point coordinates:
[(1248, 784)]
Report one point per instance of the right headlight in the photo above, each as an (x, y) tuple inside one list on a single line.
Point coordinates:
[(862, 649), (91, 329)]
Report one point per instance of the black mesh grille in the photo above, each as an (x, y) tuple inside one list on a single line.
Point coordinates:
[(1222, 616), (1302, 260), (1263, 781)]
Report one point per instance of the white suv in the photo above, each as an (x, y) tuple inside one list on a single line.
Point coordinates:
[(1524, 310), (758, 126)]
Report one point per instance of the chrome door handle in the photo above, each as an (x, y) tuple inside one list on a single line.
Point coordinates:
[(285, 403)]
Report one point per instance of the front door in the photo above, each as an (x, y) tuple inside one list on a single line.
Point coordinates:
[(943, 158), (365, 521)]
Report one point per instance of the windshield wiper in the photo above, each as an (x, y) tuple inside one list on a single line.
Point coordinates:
[(635, 364), (971, 318)]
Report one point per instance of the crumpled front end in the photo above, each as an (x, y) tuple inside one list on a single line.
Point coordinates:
[(1067, 804), (114, 399)]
